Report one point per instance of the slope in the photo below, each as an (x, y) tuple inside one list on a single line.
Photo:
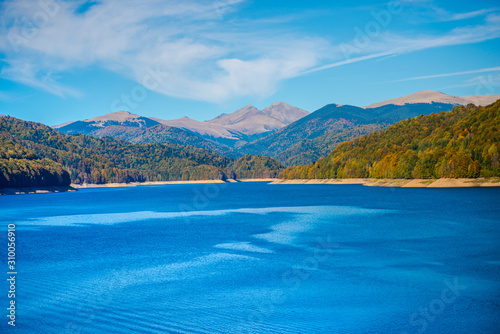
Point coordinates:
[(102, 160), (462, 143), (336, 123), (138, 129)]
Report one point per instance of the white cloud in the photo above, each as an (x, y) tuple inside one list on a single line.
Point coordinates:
[(442, 75), (184, 48), (387, 44), (200, 55), (428, 11)]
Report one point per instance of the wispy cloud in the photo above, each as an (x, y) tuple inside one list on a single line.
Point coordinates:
[(28, 74), (485, 84), (389, 44), (442, 75), (195, 49), (201, 55), (469, 15), (428, 11)]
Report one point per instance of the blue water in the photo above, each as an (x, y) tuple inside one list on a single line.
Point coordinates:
[(255, 258)]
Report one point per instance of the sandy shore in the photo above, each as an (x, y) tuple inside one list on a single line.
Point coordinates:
[(415, 183), (33, 190), (134, 184)]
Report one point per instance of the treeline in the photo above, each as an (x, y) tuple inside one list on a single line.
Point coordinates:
[(103, 160), (462, 143), (255, 167), (20, 167), (308, 151)]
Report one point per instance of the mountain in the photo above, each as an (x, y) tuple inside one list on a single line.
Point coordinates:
[(430, 96), (464, 142), (322, 130), (243, 123), (204, 129), (309, 150), (122, 118), (289, 134), (35, 153), (137, 129), (220, 134), (163, 134), (250, 121), (315, 135)]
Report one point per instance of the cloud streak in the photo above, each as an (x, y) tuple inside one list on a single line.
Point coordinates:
[(198, 49), (188, 40), (483, 70)]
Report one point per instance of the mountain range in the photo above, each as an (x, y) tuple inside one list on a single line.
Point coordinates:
[(287, 133), (462, 143), (429, 96), (32, 154)]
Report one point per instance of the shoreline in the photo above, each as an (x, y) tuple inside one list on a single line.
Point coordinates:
[(76, 187), (403, 183), (35, 190), (400, 183), (156, 183)]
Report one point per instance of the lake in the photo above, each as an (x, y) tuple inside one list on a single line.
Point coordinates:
[(254, 258)]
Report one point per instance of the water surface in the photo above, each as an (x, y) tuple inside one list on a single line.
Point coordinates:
[(255, 258)]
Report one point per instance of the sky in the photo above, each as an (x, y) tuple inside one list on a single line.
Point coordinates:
[(71, 60)]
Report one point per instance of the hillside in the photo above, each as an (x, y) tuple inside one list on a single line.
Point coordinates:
[(310, 150), (462, 143), (220, 134), (137, 129), (255, 167), (122, 118), (103, 160), (21, 167), (163, 134), (322, 130)]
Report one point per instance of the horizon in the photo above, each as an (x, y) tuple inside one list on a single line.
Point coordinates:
[(72, 60)]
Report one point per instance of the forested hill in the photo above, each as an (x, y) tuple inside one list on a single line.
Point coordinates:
[(21, 167), (462, 143), (31, 150)]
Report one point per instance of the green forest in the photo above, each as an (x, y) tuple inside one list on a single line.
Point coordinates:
[(20, 167), (462, 143), (33, 154)]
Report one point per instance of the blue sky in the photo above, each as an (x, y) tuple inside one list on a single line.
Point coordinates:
[(70, 60)]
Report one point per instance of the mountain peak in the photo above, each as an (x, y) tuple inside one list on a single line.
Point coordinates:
[(279, 103), (249, 120), (119, 116), (430, 96)]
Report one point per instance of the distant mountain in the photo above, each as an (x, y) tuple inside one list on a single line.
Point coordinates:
[(243, 123), (287, 133), (32, 154), (327, 127), (204, 129), (430, 96), (137, 129), (462, 143), (250, 121), (163, 134), (220, 134), (122, 118)]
